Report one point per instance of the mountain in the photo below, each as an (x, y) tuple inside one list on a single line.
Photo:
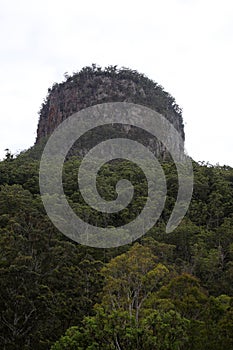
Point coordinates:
[(165, 291), (94, 85)]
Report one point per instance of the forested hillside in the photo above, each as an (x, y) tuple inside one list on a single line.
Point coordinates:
[(165, 291)]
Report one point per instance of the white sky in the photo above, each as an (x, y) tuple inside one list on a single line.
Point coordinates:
[(184, 45)]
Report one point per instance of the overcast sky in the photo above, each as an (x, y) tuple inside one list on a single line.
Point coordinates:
[(184, 45)]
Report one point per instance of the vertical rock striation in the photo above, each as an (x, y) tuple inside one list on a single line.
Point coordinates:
[(93, 85)]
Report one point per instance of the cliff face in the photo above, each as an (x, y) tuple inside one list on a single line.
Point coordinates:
[(92, 86)]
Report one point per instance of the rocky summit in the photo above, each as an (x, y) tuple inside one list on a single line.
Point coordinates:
[(94, 85)]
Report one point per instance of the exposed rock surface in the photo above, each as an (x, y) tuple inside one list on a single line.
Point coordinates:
[(92, 86)]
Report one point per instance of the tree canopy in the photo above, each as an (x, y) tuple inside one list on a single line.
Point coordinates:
[(165, 291)]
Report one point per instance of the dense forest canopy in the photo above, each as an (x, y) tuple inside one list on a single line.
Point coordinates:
[(165, 291)]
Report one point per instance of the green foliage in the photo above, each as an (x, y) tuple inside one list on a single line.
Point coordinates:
[(153, 92), (167, 291)]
